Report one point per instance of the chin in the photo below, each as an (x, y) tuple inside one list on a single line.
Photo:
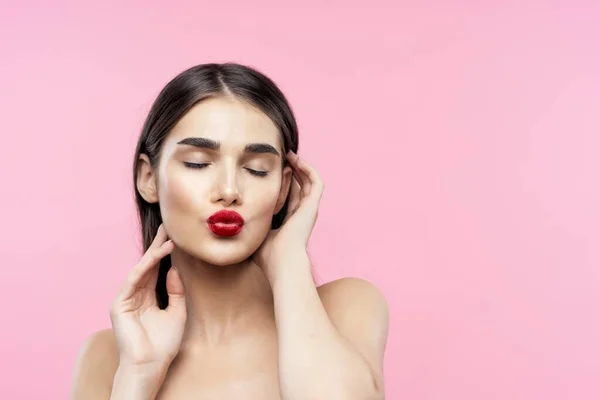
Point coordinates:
[(222, 252), (223, 259)]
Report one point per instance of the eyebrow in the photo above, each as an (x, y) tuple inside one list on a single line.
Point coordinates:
[(204, 143)]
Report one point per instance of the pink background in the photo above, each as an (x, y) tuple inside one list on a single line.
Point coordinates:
[(458, 142)]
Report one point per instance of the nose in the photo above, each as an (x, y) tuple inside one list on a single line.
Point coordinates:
[(227, 191)]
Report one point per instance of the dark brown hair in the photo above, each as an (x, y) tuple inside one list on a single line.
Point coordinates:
[(175, 99)]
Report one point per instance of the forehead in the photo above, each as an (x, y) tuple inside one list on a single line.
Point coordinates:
[(229, 121)]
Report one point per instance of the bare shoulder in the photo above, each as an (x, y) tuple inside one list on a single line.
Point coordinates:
[(359, 311), (96, 364), (352, 291)]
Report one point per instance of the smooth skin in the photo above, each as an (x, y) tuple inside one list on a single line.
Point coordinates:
[(245, 319)]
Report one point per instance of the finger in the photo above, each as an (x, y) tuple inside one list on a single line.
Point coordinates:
[(300, 176), (316, 183), (160, 237), (138, 276), (305, 184), (294, 199), (309, 205), (159, 241), (176, 291)]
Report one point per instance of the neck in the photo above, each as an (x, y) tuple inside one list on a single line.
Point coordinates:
[(222, 301)]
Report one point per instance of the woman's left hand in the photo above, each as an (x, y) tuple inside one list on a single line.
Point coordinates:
[(291, 239)]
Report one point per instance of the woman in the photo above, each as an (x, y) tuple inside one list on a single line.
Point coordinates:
[(222, 305)]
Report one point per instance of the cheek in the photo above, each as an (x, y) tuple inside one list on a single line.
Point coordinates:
[(262, 206), (179, 194), (265, 199)]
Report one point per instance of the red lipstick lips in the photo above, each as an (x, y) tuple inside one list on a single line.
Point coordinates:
[(225, 223)]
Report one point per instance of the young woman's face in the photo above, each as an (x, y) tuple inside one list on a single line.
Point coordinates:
[(222, 155)]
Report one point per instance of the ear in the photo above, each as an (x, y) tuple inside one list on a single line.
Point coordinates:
[(146, 180), (286, 181)]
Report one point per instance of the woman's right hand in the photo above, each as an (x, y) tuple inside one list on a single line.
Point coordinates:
[(149, 338)]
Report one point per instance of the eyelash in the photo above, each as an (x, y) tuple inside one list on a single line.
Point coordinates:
[(201, 166)]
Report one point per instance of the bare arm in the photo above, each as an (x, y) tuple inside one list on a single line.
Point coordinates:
[(137, 384), (99, 377), (331, 340), (95, 367)]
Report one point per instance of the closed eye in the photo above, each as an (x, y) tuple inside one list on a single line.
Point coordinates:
[(204, 165), (195, 165), (257, 173)]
